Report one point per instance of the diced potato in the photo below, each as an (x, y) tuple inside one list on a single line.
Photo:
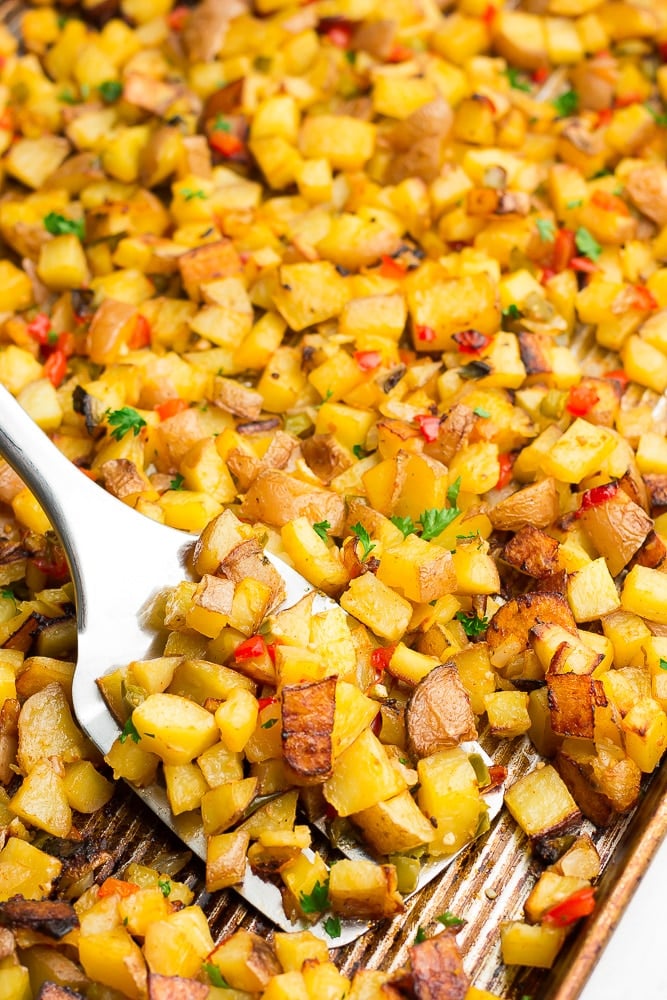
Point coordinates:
[(579, 452), (449, 797), (591, 592), (386, 613), (534, 945), (364, 890), (541, 803), (362, 776), (174, 728), (26, 871), (644, 593)]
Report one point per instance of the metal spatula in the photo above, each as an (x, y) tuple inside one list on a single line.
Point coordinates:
[(119, 562)]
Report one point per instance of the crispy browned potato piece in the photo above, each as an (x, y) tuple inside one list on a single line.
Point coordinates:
[(394, 825), (581, 859), (572, 702), (175, 988), (9, 738), (275, 498), (325, 456), (206, 263), (308, 718), (437, 969), (236, 399), (363, 890), (618, 527), (601, 788), (652, 552), (53, 918), (533, 552), (247, 561), (439, 714), (509, 629), (535, 505)]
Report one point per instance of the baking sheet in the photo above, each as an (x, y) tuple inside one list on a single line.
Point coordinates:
[(487, 884)]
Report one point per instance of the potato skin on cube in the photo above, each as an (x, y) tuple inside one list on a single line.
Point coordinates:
[(364, 890), (437, 969), (307, 728), (541, 803), (439, 714)]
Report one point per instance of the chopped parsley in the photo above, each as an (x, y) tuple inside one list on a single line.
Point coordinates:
[(663, 664), (321, 528), (177, 482), (473, 626), (659, 117), (332, 926), (566, 104), (365, 539), (421, 935), (359, 451), (269, 724), (123, 421), (164, 885), (587, 244), (8, 594), (60, 225), (575, 203), (110, 91), (404, 524), (215, 977), (66, 96), (449, 919), (546, 229), (221, 124), (517, 80), (453, 491), (434, 521), (130, 732), (512, 311), (317, 899), (189, 194), (479, 411)]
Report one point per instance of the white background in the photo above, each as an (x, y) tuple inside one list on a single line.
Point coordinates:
[(634, 963)]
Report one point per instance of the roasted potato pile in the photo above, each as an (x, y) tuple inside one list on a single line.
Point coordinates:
[(381, 287)]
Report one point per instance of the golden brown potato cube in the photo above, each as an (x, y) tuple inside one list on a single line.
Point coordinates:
[(362, 776), (533, 552), (534, 945), (246, 961), (536, 506), (437, 969), (508, 633), (364, 890), (541, 803), (206, 263), (507, 712), (573, 699), (224, 806), (617, 527), (395, 825), (275, 498), (308, 721), (551, 888), (166, 988), (601, 786), (581, 860), (226, 859)]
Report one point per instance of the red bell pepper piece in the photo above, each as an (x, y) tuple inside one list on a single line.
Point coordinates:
[(429, 425), (609, 202), (425, 333), (380, 658), (506, 462), (265, 702), (489, 14), (39, 328), (625, 100), (177, 17), (618, 375), (116, 887), (52, 562), (400, 53), (339, 33), (392, 268), (471, 341), (598, 495), (225, 143), (540, 74), (171, 407), (604, 117), (641, 298), (251, 648), (583, 264), (563, 250), (579, 904), (368, 361), (581, 399), (141, 335), (55, 367)]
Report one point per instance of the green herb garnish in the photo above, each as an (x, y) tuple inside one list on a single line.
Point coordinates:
[(365, 539), (404, 524), (575, 203), (517, 79), (512, 311), (164, 885), (546, 229), (60, 225), (421, 935), (321, 528), (472, 624), (566, 104), (130, 732), (587, 244), (359, 451), (189, 194), (317, 900), (215, 977), (453, 491), (177, 482), (332, 926), (479, 411), (110, 91), (663, 664), (269, 724), (123, 421), (434, 521), (449, 919)]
